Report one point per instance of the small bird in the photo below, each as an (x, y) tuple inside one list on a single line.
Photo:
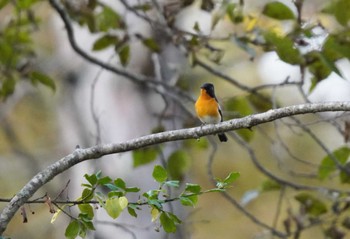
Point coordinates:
[(208, 109)]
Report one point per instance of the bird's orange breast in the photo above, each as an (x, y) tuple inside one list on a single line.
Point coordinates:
[(207, 108)]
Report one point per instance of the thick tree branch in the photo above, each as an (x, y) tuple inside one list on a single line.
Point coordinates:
[(80, 155)]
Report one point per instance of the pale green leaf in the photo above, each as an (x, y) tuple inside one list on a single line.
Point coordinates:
[(328, 165), (159, 174), (39, 77), (73, 229), (144, 156)]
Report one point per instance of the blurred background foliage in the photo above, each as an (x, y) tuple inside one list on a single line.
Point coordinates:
[(294, 173)]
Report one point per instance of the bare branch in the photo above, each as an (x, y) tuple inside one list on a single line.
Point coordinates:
[(80, 155), (149, 82), (70, 32)]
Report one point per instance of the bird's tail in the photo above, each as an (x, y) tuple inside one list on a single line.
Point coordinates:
[(222, 137)]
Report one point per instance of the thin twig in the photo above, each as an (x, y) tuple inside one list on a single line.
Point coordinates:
[(95, 118), (274, 177), (149, 82), (323, 146), (234, 201), (278, 207)]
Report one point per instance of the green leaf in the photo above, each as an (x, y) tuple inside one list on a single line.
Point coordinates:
[(312, 205), (270, 185), (124, 54), (284, 47), (158, 129), (337, 46), (92, 179), (238, 104), (90, 20), (194, 41), (179, 163), (120, 183), (25, 4), (242, 107), (132, 210), (3, 3), (156, 203), (108, 19), (151, 194), (339, 9), (216, 190), (132, 189), (104, 180), (92, 4), (196, 27), (151, 44), (319, 66), (116, 193), (98, 174), (8, 87), (199, 144), (344, 175), (114, 206), (86, 222), (330, 64), (278, 10), (313, 84), (101, 198), (168, 222), (328, 166), (173, 183), (7, 51), (104, 42), (174, 218), (234, 12), (159, 174), (82, 232), (112, 187), (193, 188), (246, 134), (87, 194), (258, 104), (233, 176), (230, 11), (189, 200), (72, 230), (36, 76), (225, 183), (87, 209), (144, 156)]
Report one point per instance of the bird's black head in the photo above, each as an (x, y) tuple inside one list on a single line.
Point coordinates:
[(209, 88)]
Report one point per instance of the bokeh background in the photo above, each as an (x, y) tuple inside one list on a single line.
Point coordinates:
[(39, 126)]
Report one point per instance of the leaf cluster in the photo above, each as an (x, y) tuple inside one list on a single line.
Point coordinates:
[(115, 201), (17, 48)]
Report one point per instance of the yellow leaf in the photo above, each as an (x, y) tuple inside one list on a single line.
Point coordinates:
[(155, 214), (114, 206), (55, 215), (250, 23), (123, 202)]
